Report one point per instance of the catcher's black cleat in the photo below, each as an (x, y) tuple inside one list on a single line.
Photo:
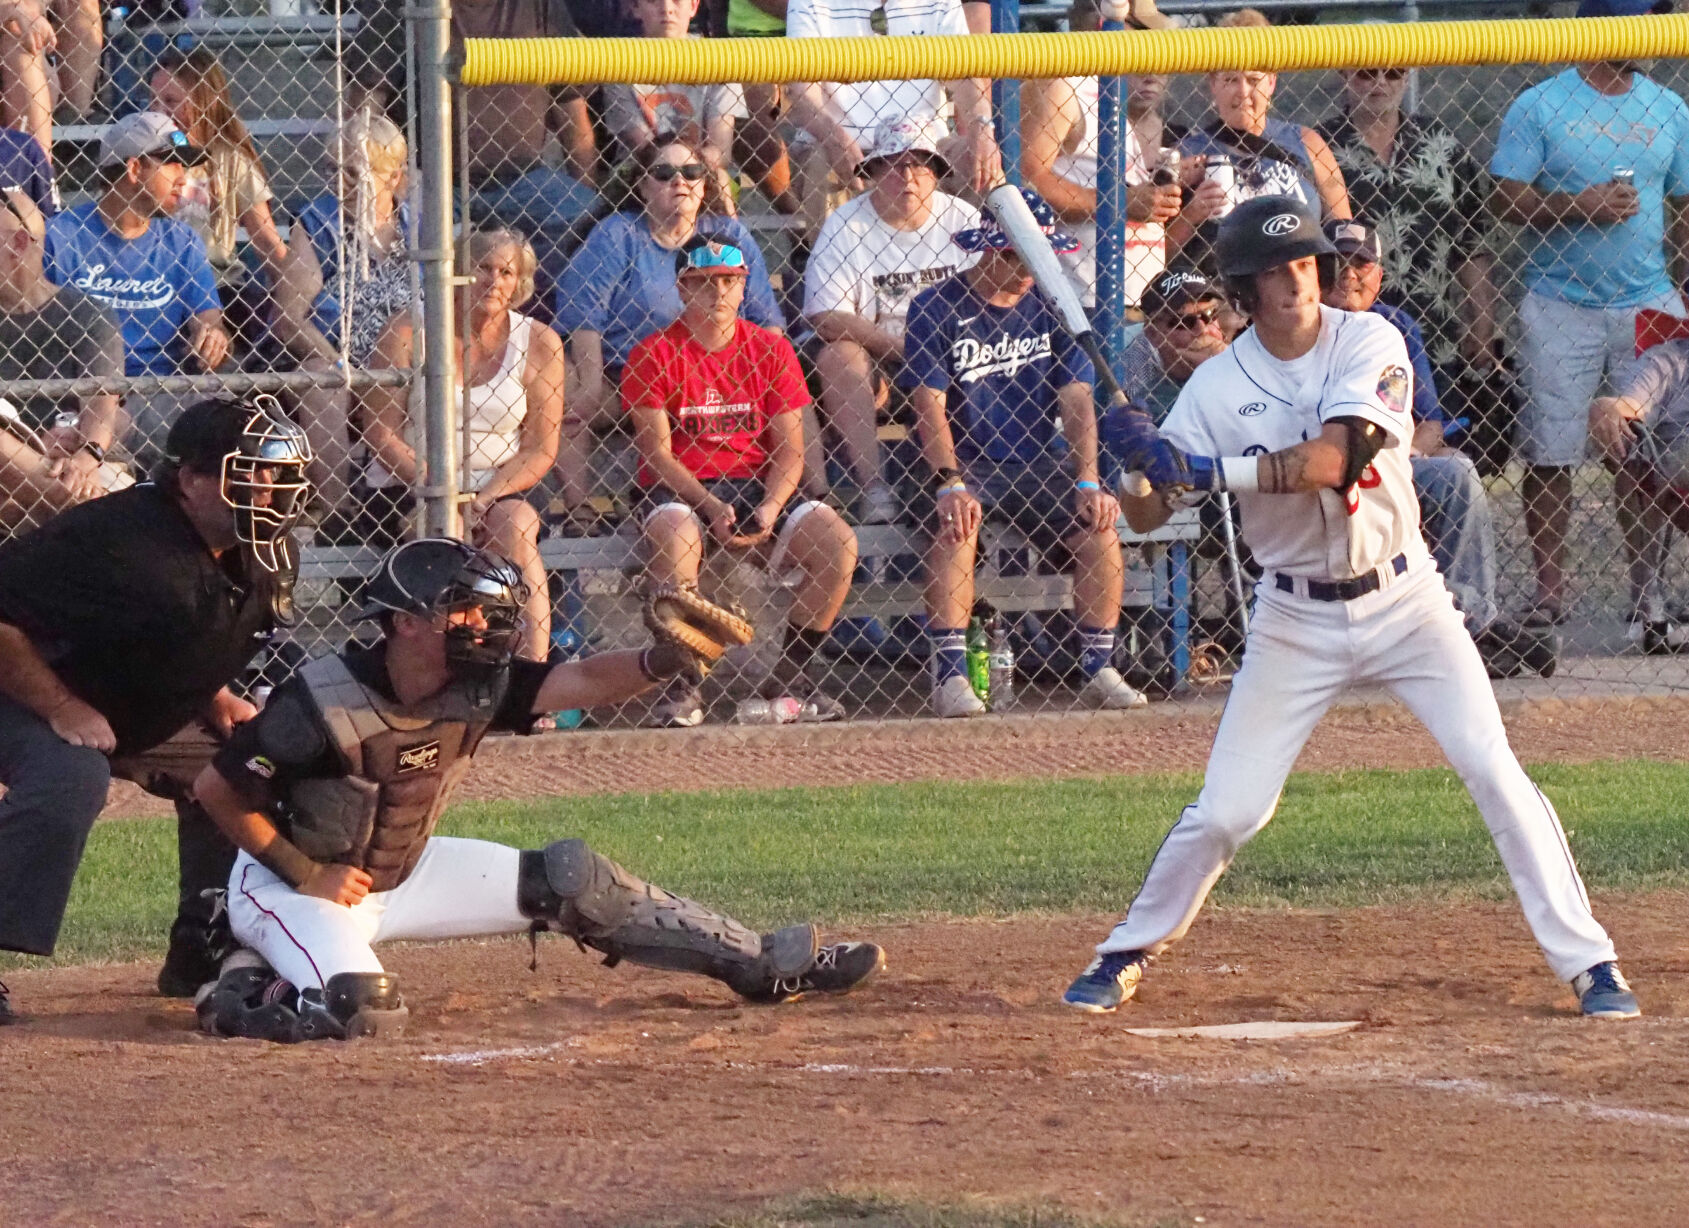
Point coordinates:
[(838, 968), (6, 1013), (197, 949)]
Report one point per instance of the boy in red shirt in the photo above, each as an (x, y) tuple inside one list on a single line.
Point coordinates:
[(716, 404)]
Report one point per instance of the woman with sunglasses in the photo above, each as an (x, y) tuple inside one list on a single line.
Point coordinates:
[(621, 286), (1411, 178), (1249, 153)]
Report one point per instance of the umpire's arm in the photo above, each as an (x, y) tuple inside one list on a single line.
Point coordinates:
[(30, 681)]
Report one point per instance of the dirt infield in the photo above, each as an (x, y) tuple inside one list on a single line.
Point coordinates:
[(1163, 738), (588, 1096)]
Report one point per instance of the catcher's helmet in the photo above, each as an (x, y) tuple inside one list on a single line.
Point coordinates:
[(1266, 232), (261, 458), (442, 575)]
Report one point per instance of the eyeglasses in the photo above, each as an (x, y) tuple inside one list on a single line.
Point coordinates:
[(1196, 319), (1389, 74), (692, 172)]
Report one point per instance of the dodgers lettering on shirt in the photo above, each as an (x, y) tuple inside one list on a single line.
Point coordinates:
[(1245, 402), (154, 283), (1565, 136), (1000, 368)]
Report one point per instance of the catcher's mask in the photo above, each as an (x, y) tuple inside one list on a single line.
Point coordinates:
[(260, 458), (443, 576)]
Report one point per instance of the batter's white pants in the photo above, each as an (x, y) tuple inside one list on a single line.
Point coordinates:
[(459, 889), (1301, 655)]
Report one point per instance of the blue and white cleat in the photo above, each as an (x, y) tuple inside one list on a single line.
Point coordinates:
[(1107, 982), (1604, 993)]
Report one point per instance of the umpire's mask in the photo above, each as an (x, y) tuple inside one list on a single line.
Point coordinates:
[(264, 481), (442, 575)]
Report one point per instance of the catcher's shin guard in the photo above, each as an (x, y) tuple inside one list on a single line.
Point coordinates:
[(596, 902), (248, 1000), (353, 1004)]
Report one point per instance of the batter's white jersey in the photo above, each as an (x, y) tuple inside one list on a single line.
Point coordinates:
[(1245, 402)]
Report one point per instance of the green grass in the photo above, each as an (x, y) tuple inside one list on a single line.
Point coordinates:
[(847, 1211), (889, 851)]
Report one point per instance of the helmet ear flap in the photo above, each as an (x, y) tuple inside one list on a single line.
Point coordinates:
[(1241, 289), (1326, 263)]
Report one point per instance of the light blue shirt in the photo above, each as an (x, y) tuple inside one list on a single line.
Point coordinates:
[(622, 283), (1563, 136)]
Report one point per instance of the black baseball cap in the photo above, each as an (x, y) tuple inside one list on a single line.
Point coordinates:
[(1352, 237), (1176, 289), (206, 432)]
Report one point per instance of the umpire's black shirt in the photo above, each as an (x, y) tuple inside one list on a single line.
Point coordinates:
[(122, 597)]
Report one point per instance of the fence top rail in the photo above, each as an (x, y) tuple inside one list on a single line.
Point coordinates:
[(572, 61)]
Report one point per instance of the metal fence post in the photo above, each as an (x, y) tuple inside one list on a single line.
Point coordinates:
[(1109, 316), (1005, 95), (431, 31)]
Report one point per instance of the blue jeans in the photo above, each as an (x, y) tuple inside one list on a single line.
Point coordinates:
[(1454, 508)]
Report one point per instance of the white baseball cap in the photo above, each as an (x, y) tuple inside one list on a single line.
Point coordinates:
[(147, 134), (901, 136)]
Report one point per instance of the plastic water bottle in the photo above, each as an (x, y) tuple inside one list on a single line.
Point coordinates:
[(781, 711), (567, 645), (979, 663), (1000, 668)]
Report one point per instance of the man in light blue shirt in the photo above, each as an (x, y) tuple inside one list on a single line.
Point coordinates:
[(1592, 160)]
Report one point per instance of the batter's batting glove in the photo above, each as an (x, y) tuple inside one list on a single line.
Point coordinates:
[(1167, 468)]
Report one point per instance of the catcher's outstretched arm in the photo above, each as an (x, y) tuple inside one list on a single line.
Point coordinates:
[(608, 678)]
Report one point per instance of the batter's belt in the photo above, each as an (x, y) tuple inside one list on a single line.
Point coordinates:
[(1339, 590)]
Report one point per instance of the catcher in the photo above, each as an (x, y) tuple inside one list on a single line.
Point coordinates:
[(333, 791)]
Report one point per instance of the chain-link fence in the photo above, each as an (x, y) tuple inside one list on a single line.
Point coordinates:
[(763, 338)]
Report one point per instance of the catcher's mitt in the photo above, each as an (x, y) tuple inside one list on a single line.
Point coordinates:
[(694, 624)]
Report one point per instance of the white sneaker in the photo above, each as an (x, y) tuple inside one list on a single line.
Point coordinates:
[(878, 505), (1109, 691), (681, 707), (955, 697)]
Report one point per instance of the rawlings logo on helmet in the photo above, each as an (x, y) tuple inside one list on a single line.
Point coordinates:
[(1280, 224)]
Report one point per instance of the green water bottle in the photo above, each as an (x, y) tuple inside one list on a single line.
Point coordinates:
[(979, 661)]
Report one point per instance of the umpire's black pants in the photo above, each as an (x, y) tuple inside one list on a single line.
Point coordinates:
[(54, 792)]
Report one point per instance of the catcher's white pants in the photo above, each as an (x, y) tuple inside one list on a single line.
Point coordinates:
[(1301, 655), (459, 889)]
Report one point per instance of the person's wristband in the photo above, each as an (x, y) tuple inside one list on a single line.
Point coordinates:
[(95, 450), (946, 477), (1087, 485), (283, 859), (1241, 474), (956, 487)]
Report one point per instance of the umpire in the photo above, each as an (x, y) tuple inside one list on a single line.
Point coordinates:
[(122, 622)]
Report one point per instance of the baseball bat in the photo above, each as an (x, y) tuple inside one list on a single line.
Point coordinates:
[(1033, 247)]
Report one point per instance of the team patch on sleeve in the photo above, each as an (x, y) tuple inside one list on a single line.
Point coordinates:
[(1393, 386), (261, 767)]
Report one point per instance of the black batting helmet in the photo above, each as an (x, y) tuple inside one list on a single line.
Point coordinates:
[(1266, 232)]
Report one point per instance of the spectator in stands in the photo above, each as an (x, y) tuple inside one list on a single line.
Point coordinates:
[(873, 255), (1454, 506), (24, 168), (228, 191), (1591, 162), (1246, 152), (703, 114), (49, 332), (514, 369), (1182, 330), (122, 249), (1642, 430), (759, 148), (49, 56), (621, 286), (1059, 159), (989, 368), (717, 404), (1411, 178), (839, 119), (367, 219), (509, 127)]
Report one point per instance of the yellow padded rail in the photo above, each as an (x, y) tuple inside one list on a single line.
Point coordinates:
[(579, 61)]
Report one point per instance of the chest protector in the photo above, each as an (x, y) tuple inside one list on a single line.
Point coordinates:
[(402, 763)]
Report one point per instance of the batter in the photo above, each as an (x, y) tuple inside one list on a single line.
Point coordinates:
[(1305, 419)]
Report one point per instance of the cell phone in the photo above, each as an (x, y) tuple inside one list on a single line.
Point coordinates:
[(1626, 177), (1168, 172)]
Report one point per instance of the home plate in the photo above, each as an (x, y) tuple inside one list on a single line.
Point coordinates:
[(1263, 1029)]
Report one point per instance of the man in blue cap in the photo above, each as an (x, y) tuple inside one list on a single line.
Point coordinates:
[(1593, 160), (990, 369)]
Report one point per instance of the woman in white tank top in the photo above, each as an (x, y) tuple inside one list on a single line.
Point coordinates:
[(511, 422)]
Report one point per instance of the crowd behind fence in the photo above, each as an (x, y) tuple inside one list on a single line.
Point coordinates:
[(764, 338)]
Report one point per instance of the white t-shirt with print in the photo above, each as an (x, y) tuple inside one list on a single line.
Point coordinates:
[(863, 266), (865, 104), (1245, 402)]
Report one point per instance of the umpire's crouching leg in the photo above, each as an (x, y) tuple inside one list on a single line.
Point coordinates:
[(54, 792)]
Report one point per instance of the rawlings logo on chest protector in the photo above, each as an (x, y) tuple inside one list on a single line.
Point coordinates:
[(419, 758)]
